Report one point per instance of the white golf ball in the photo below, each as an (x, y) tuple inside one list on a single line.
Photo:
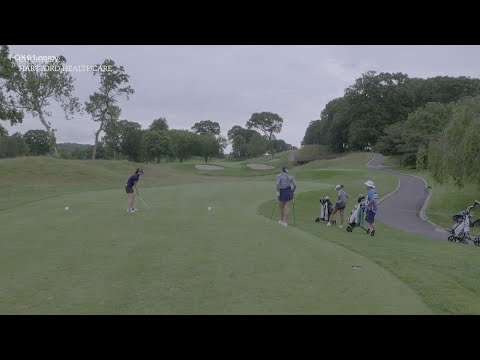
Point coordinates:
[(66, 208), (209, 208)]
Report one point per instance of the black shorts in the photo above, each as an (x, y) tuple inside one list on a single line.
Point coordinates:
[(340, 205), (129, 189)]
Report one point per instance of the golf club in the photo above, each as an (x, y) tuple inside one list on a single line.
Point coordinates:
[(274, 206), (143, 200)]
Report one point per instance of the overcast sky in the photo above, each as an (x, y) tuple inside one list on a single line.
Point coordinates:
[(226, 84)]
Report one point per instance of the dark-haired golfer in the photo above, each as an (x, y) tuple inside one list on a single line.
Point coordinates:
[(132, 183), (286, 186)]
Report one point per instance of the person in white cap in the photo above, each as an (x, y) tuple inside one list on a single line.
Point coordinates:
[(372, 206), (340, 205)]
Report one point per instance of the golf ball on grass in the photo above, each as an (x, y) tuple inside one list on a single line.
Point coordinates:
[(209, 208), (66, 208)]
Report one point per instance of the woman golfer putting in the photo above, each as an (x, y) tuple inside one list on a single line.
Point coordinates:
[(340, 205), (286, 186), (132, 183)]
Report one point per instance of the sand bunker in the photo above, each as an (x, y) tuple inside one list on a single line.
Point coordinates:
[(209, 167), (260, 166)]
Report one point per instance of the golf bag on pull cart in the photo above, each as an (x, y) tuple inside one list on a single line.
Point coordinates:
[(357, 215), (326, 209), (461, 230)]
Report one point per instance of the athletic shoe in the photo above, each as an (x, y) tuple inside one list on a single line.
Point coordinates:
[(284, 224), (329, 224), (368, 232), (280, 222), (372, 233)]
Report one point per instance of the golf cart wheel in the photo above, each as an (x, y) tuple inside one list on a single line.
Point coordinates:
[(476, 241), (451, 238), (349, 228), (317, 219)]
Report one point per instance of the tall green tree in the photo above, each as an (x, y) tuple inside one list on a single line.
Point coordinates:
[(38, 142), (455, 155), (9, 109), (239, 147), (315, 133), (131, 135), (156, 145), (280, 145), (268, 123), (112, 138), (102, 104), (238, 130), (3, 131), (159, 124), (206, 127), (36, 88), (257, 146), (208, 146), (13, 146), (182, 144)]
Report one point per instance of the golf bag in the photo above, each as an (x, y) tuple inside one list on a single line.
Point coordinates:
[(460, 232), (357, 215), (326, 209)]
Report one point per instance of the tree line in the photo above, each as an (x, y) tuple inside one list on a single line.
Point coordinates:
[(32, 92), (428, 123)]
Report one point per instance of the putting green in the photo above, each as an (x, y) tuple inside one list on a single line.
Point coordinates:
[(180, 258)]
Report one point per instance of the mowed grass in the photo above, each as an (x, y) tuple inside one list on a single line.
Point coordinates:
[(179, 258), (445, 275)]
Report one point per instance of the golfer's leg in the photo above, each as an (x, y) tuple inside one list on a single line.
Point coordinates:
[(130, 200), (285, 211), (341, 216), (332, 215), (281, 205)]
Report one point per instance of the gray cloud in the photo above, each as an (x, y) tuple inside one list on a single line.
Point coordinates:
[(227, 84)]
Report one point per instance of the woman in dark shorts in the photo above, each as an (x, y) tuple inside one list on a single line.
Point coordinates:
[(132, 183), (340, 205), (286, 186)]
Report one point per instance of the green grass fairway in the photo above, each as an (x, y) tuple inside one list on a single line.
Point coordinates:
[(179, 258)]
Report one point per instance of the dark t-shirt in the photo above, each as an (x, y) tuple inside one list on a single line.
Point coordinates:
[(131, 180)]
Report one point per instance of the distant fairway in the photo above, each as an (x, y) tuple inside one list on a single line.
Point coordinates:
[(180, 258)]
